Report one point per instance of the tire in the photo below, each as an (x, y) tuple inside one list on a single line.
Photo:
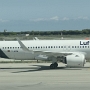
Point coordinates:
[(55, 64), (52, 66)]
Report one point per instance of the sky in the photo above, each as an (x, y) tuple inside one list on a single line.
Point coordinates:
[(44, 15)]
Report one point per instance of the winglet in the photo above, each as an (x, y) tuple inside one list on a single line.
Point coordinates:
[(23, 46)]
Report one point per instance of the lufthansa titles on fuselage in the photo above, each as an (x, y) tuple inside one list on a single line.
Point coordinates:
[(84, 42)]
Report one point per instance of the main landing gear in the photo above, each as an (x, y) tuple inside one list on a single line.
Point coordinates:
[(54, 65)]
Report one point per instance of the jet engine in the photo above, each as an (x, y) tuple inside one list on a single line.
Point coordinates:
[(75, 60)]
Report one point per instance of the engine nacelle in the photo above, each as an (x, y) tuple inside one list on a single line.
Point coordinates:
[(75, 60)]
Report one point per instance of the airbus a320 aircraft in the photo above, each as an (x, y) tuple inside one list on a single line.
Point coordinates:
[(74, 52)]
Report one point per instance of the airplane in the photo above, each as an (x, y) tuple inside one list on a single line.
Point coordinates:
[(74, 52)]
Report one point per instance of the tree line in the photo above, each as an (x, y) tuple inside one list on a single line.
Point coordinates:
[(63, 32)]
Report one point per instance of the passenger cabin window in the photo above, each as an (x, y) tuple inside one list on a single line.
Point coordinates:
[(72, 46), (77, 46), (56, 46), (51, 46), (61, 46), (38, 47), (64, 46), (85, 46), (68, 46)]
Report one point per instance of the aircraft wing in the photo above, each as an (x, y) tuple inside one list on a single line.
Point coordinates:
[(53, 53), (48, 53)]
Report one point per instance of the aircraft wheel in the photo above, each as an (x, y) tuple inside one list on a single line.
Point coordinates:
[(52, 66), (56, 64)]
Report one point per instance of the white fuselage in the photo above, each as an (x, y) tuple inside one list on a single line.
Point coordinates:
[(12, 49)]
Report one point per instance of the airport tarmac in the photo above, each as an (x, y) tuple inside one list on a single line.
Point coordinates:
[(38, 76)]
